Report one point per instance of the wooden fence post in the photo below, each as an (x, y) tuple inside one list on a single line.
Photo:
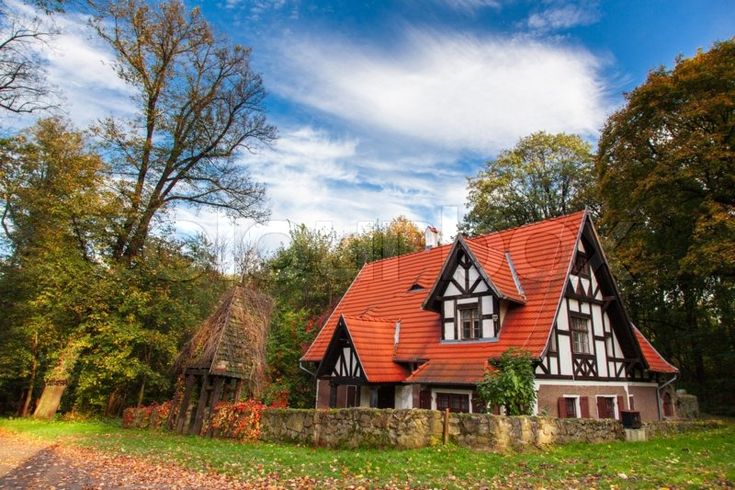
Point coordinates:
[(446, 426)]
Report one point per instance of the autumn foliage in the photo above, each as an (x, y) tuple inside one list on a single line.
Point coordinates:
[(150, 417), (240, 421)]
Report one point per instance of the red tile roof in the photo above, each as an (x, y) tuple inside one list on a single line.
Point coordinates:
[(541, 254), (495, 264), (655, 361), (450, 371), (373, 341)]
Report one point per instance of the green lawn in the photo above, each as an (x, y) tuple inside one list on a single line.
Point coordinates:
[(693, 460)]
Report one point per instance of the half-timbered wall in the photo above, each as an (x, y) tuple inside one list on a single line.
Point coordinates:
[(341, 362), (584, 303), (467, 288), (347, 365)]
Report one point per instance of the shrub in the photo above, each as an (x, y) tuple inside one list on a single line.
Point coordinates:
[(239, 420), (509, 383)]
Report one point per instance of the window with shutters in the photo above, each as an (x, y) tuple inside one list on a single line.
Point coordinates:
[(580, 328), (569, 407), (455, 402), (606, 407)]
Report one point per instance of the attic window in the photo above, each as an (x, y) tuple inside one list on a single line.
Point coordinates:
[(416, 287), (581, 265)]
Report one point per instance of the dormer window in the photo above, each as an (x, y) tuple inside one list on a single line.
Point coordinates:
[(469, 318)]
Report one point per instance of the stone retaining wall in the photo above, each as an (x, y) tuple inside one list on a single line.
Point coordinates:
[(669, 427), (364, 427), (412, 428)]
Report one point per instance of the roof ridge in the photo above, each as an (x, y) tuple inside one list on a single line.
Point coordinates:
[(534, 223)]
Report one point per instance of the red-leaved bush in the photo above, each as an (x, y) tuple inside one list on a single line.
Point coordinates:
[(153, 416), (239, 420)]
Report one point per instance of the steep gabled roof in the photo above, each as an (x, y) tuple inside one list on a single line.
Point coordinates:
[(528, 265), (232, 341), (542, 254), (373, 338), (500, 282), (494, 263)]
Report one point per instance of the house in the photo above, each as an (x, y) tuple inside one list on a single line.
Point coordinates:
[(417, 330)]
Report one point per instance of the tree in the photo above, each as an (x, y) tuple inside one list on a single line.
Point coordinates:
[(398, 237), (509, 383), (23, 86), (199, 105), (76, 322), (543, 176), (666, 170), (52, 216)]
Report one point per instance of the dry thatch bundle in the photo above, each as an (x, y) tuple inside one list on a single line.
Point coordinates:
[(232, 341)]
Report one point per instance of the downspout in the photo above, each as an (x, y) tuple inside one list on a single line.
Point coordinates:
[(658, 394), (301, 366), (313, 375)]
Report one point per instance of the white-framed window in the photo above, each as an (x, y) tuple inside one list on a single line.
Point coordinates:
[(607, 407), (580, 327), (470, 326)]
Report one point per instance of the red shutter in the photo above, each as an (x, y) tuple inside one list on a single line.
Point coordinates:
[(631, 403), (562, 404), (602, 407), (425, 399), (584, 406), (621, 406)]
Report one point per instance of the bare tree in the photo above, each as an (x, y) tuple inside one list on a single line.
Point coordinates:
[(23, 86), (199, 105)]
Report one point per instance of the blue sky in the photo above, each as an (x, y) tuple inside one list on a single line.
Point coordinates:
[(384, 108)]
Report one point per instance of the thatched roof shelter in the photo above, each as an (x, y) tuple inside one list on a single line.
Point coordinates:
[(232, 341)]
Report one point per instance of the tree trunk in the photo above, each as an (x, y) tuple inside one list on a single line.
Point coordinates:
[(50, 399), (58, 380), (26, 405), (141, 393), (138, 238)]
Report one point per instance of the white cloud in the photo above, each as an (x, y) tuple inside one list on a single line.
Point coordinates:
[(450, 91), (470, 5), (563, 16), (330, 182)]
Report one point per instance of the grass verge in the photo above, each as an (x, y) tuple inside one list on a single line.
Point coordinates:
[(703, 459)]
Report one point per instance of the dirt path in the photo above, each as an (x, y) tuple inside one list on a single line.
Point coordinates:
[(25, 463)]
